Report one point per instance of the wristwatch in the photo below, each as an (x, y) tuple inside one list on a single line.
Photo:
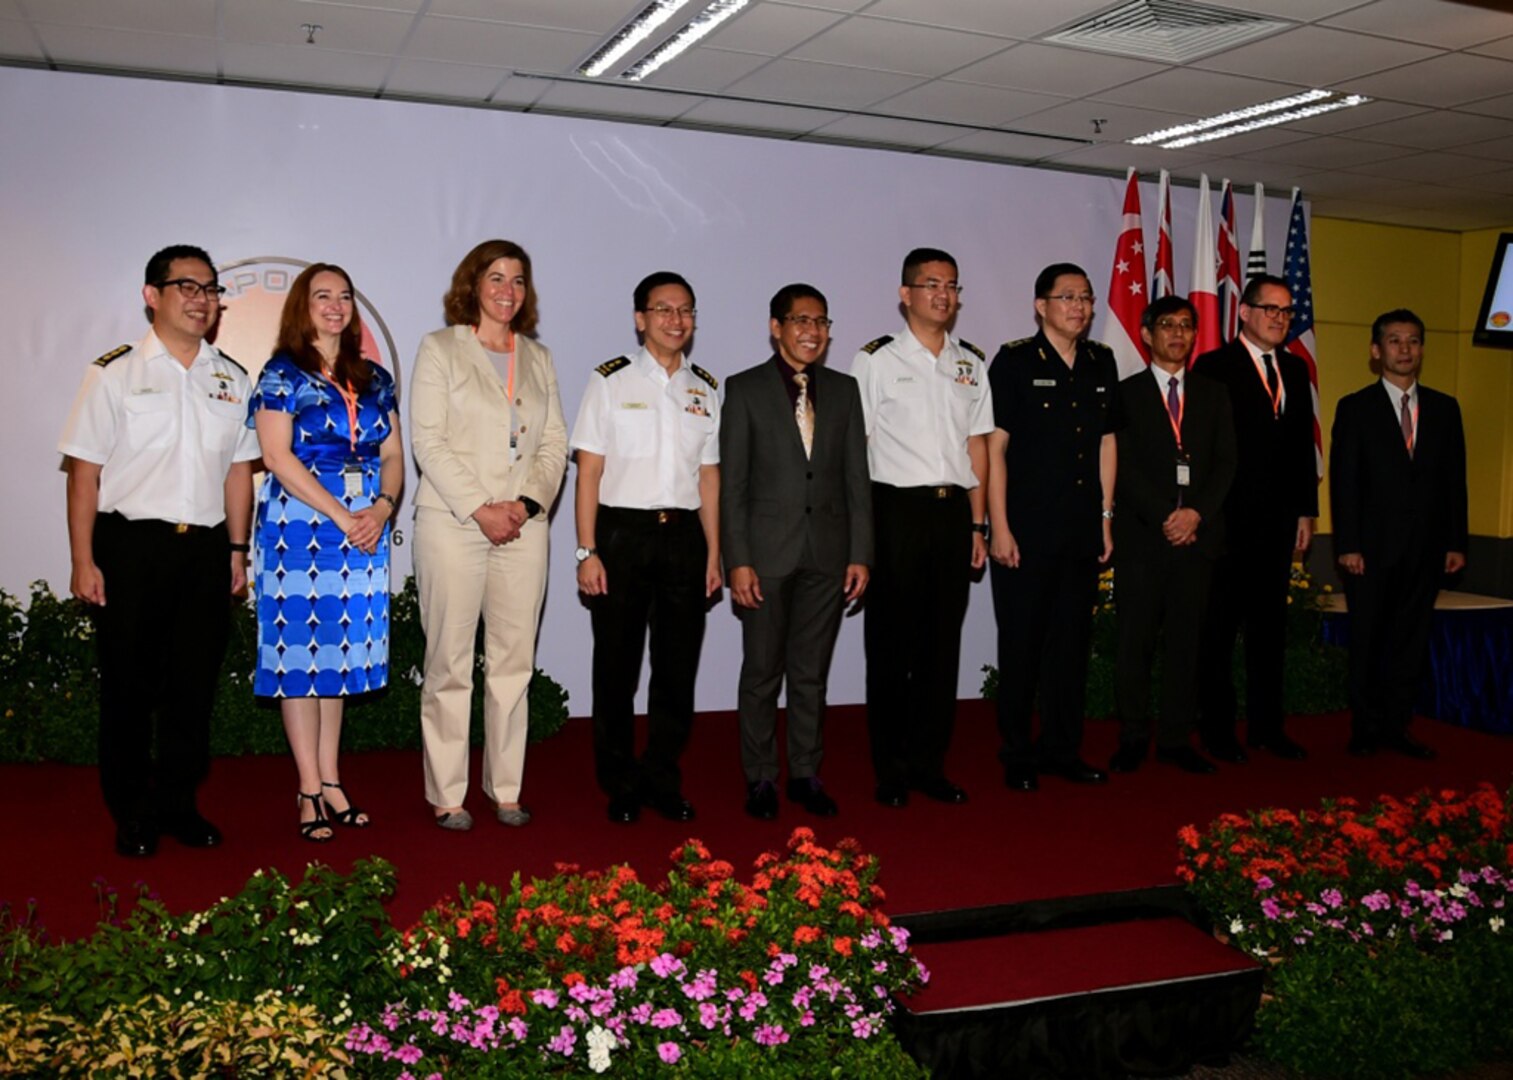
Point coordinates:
[(532, 507), (980, 527), (1108, 515), (583, 554)]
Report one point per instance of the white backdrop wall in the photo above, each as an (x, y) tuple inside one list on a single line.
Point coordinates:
[(96, 173)]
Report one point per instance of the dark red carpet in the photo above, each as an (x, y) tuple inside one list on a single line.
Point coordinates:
[(1001, 847)]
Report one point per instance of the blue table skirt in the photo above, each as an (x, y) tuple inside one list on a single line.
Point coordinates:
[(1470, 667)]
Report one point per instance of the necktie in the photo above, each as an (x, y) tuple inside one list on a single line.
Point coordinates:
[(1272, 386), (1174, 402), (1407, 417), (803, 413)]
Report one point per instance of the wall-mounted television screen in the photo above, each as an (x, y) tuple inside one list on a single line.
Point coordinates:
[(1494, 326)]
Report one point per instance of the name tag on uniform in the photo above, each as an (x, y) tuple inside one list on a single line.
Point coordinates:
[(1044, 382), (1103, 389), (634, 405), (351, 479), (1184, 472)]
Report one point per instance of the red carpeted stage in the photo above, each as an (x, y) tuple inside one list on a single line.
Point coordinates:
[(1015, 899)]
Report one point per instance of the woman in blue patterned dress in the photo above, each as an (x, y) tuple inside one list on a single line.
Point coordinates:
[(326, 418)]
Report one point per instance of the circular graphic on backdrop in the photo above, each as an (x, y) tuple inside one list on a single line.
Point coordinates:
[(255, 293)]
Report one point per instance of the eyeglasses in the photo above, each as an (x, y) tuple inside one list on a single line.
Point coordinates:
[(663, 312), (1274, 311), (809, 322), (1175, 326), (936, 285), (191, 289), (1085, 299)]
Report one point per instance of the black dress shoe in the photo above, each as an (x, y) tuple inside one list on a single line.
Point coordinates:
[(1187, 759), (136, 840), (1402, 743), (1280, 745), (624, 809), (1362, 746), (192, 830), (670, 805), (1127, 758), (1226, 750), (762, 799), (894, 795), (1076, 770), (1020, 778), (809, 793), (941, 790)]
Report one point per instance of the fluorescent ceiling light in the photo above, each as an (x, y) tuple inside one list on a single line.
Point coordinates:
[(701, 24), (636, 31), (1267, 121), (1233, 117)]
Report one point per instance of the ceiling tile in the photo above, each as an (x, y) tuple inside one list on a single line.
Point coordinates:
[(1253, 143), (436, 79), (196, 17), (716, 112), (1119, 122), (1312, 56), (520, 91), (1428, 22), (1054, 70), (1497, 106), (705, 69), (1334, 182), (9, 10), (1427, 168), (960, 102), (1503, 48), (1246, 172), (1499, 183), (128, 50), (1501, 149), (1333, 152), (771, 29), (1120, 157), (600, 18), (1302, 10), (1342, 121), (1178, 89), (1445, 80), (828, 5), (1437, 130), (894, 46), (1005, 145), (821, 85), (17, 42), (609, 100), (467, 41), (281, 22), (875, 130), (1022, 19), (303, 65), (1365, 210)]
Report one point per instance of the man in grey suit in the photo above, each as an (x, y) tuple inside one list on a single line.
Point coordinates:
[(796, 532)]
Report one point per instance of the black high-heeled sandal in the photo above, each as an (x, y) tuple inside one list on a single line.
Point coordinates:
[(348, 817), (308, 829)]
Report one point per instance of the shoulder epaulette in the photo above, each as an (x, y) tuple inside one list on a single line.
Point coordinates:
[(114, 354), (714, 384), (1098, 346), (965, 344), (609, 367), (1018, 342), (226, 356), (876, 343)]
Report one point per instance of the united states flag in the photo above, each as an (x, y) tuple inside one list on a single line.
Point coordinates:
[(1300, 339)]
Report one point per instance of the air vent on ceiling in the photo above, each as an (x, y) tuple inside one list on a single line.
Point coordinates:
[(1166, 30)]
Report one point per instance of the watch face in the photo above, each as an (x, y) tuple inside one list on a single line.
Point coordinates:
[(582, 553)]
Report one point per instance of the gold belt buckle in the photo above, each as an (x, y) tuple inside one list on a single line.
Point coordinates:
[(663, 517), (943, 492), (182, 527)]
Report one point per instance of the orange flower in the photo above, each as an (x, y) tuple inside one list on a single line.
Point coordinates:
[(464, 927), (803, 935), (842, 945), (572, 978)]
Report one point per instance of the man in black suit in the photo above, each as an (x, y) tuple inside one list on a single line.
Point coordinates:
[(1268, 515), (796, 524), (1397, 487), (1176, 462)]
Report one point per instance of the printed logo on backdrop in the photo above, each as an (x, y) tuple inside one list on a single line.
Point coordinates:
[(248, 329)]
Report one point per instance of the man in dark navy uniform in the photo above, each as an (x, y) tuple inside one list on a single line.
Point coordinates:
[(1051, 461)]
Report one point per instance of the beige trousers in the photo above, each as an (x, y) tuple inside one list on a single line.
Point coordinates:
[(460, 577)]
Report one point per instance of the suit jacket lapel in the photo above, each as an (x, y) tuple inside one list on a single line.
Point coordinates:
[(777, 396)]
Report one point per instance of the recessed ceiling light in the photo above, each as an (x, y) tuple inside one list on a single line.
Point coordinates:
[(632, 34), (1237, 121), (701, 24)]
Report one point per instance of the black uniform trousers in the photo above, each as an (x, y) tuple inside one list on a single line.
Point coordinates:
[(1249, 596), (1160, 597), (916, 601), (1391, 615), (161, 637), (1044, 609), (654, 563)]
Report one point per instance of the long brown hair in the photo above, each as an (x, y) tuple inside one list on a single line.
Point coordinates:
[(461, 300), (296, 332)]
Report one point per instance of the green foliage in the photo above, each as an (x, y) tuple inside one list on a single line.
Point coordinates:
[(49, 687)]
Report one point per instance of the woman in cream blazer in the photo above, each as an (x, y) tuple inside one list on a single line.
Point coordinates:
[(486, 425)]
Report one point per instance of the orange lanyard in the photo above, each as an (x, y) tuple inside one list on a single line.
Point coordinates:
[(1176, 421), (349, 396)]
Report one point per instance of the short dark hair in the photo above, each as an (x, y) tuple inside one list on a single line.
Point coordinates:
[(642, 295), (159, 264), (919, 256), (1045, 281), (784, 299), (1166, 305), (1254, 286), (1396, 315), (461, 301)]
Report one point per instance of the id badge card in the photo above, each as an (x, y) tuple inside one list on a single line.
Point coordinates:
[(351, 479), (1184, 472)]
